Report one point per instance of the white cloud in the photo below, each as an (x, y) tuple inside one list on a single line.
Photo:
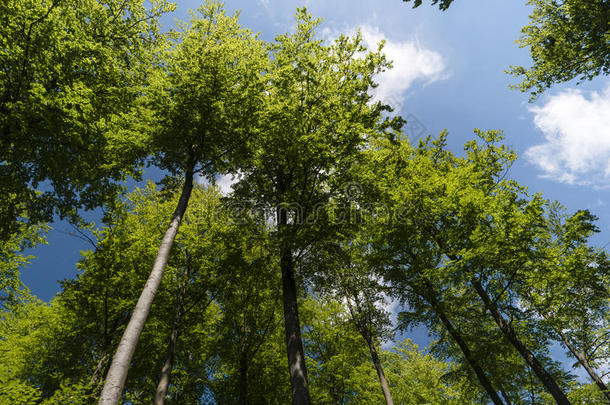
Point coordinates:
[(411, 62), (577, 138), (224, 182)]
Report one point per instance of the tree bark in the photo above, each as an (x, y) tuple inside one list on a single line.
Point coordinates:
[(385, 388), (95, 377), (481, 376), (294, 343), (545, 378), (168, 364), (457, 337), (95, 383), (585, 363), (365, 332), (115, 380)]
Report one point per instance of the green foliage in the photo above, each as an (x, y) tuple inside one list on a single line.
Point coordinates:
[(317, 114), (296, 121), (205, 93), (417, 378), (12, 258), (70, 72), (567, 39), (450, 220)]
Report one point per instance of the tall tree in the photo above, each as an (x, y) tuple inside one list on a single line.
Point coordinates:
[(85, 321), (203, 98), (340, 270), (461, 233), (317, 114), (568, 289)]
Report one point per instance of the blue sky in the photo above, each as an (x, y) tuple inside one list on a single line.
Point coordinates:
[(449, 74)]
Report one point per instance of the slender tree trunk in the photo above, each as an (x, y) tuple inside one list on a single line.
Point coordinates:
[(294, 343), (457, 337), (366, 334), (506, 399), (168, 364), (545, 378), (115, 380), (243, 378), (584, 362), (97, 373), (95, 383), (483, 380), (385, 388)]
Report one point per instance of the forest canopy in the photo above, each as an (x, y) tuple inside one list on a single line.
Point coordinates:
[(343, 232)]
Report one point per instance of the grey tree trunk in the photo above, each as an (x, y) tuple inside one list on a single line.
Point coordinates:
[(115, 380), (294, 342), (168, 364), (430, 296), (582, 359), (545, 378), (365, 332), (385, 388)]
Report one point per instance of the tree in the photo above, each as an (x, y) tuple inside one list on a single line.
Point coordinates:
[(71, 72), (567, 39), (86, 320), (340, 271), (577, 275), (250, 318), (317, 113), (203, 102), (471, 237), (336, 352)]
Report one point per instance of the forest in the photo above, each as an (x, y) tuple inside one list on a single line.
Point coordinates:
[(342, 234)]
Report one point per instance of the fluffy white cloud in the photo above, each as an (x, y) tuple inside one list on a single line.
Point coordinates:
[(225, 182), (411, 62), (577, 138)]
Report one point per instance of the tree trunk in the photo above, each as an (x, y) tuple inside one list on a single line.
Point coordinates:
[(365, 332), (457, 337), (95, 383), (97, 373), (294, 343), (506, 399), (168, 364), (115, 380), (385, 388), (545, 378), (584, 362)]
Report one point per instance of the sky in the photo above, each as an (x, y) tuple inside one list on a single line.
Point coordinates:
[(449, 73)]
